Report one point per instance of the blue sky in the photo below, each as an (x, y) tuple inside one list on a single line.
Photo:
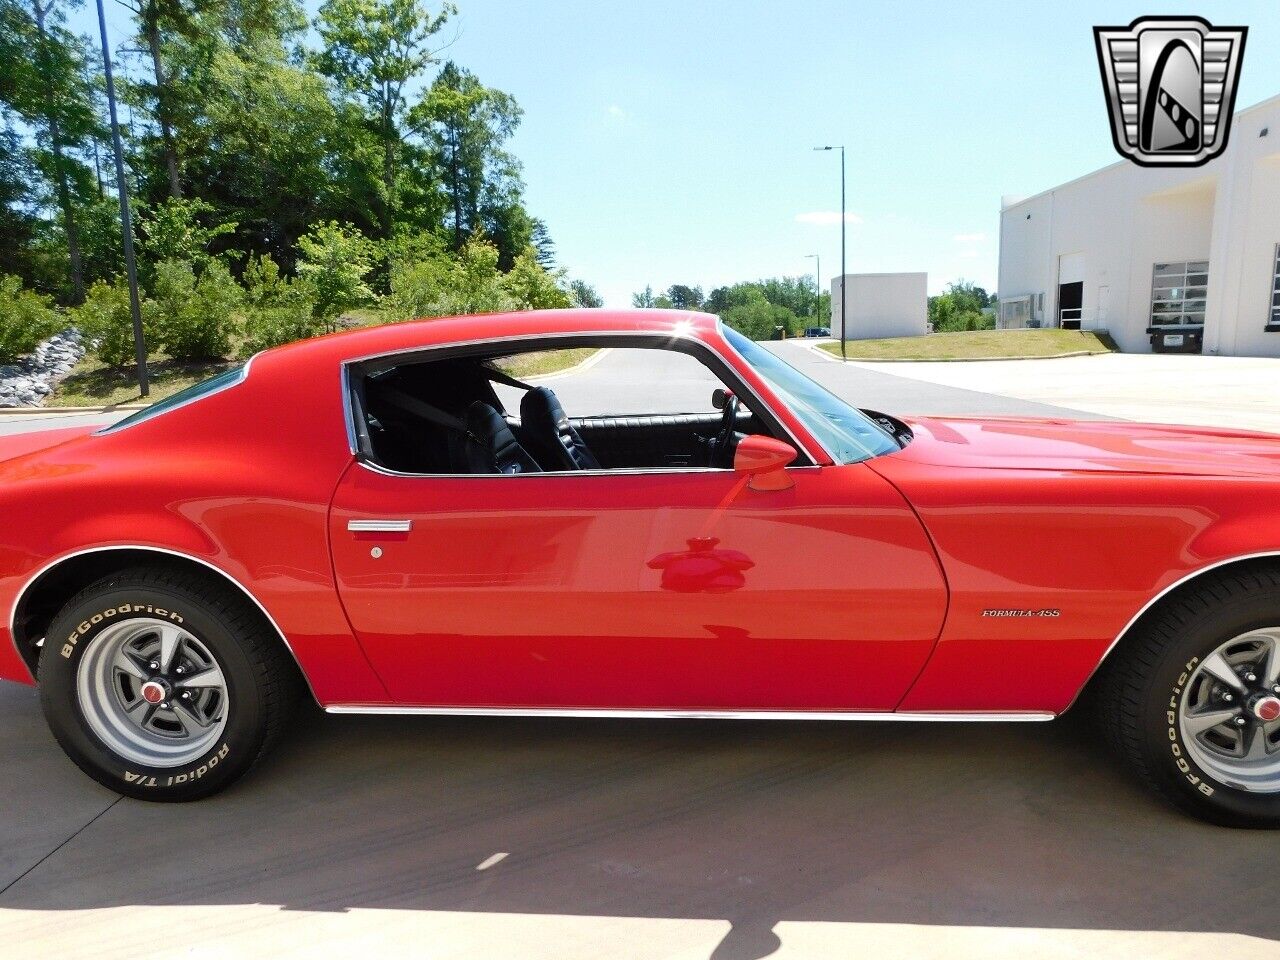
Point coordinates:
[(670, 142)]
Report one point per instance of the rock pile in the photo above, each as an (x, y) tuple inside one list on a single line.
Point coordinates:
[(27, 382)]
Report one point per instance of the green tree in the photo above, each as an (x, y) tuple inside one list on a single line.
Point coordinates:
[(465, 126), (155, 18), (584, 295), (749, 312), (683, 297), (959, 308), (448, 284), (47, 85), (644, 299), (532, 287), (373, 50), (333, 261), (176, 230)]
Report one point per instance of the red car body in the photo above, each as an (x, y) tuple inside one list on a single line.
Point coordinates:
[(983, 570)]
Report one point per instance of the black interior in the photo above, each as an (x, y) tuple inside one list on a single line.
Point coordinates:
[(443, 416)]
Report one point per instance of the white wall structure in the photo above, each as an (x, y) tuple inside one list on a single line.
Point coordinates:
[(1157, 253), (881, 305)]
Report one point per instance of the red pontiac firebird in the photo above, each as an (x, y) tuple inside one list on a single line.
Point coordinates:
[(392, 521)]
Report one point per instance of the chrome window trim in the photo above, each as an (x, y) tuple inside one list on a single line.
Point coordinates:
[(602, 472), (49, 565), (147, 413), (1264, 554), (927, 716), (697, 344)]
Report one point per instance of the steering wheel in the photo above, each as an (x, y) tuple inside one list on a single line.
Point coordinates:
[(723, 443)]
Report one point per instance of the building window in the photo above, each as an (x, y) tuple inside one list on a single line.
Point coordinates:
[(1274, 323), (1178, 293)]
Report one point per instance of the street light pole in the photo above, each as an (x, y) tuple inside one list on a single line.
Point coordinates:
[(817, 280), (843, 291), (122, 189)]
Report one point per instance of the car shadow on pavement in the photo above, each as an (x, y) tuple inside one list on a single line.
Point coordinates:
[(1020, 825)]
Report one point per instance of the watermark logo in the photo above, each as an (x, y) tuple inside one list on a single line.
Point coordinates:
[(1171, 88)]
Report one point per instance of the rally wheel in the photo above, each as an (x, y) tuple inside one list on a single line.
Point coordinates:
[(1192, 700), (164, 685)]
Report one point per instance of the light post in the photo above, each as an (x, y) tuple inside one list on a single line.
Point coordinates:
[(817, 282), (842, 245), (122, 189)]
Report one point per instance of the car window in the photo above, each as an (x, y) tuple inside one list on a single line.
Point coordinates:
[(194, 392), (623, 381), (848, 434)]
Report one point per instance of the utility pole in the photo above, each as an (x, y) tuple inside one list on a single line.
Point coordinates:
[(843, 225), (126, 224)]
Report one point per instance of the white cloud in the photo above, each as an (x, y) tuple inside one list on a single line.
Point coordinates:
[(826, 217), (970, 244), (616, 111)]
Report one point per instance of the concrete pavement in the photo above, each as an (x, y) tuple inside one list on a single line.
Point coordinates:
[(576, 839), (1160, 388)]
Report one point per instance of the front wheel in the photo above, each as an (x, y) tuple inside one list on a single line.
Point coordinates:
[(163, 685), (1192, 700)]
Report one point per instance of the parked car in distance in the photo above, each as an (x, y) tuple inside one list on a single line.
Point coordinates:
[(388, 521), (817, 331)]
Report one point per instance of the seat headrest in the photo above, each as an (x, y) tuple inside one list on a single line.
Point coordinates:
[(541, 406)]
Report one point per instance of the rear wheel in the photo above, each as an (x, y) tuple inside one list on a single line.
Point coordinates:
[(163, 685), (1192, 699)]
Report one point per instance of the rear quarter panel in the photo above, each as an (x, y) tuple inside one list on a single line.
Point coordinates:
[(240, 479)]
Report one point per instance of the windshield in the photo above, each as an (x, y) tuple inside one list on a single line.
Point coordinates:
[(848, 434)]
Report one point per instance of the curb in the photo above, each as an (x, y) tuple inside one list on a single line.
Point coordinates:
[(1052, 356), (578, 367)]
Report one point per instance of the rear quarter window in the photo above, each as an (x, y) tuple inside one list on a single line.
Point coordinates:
[(228, 378)]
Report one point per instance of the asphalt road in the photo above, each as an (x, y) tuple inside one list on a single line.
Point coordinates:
[(564, 839)]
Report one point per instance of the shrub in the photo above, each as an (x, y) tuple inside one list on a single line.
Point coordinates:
[(450, 285), (106, 317), (333, 261), (533, 287), (26, 318), (196, 317), (277, 310)]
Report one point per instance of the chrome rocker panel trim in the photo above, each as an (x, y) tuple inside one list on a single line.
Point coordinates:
[(603, 712)]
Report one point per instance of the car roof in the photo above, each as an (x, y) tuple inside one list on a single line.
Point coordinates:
[(414, 334)]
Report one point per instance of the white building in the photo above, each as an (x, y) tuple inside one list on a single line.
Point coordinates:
[(1174, 259), (882, 305)]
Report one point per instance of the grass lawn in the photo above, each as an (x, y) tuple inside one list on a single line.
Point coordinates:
[(542, 362), (93, 384), (977, 345)]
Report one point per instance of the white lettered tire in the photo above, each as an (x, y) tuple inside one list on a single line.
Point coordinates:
[(164, 685)]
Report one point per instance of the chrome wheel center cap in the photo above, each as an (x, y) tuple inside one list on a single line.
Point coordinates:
[(1266, 709), (153, 691)]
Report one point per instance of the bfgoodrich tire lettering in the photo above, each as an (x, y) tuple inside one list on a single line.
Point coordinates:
[(1143, 695), (215, 705)]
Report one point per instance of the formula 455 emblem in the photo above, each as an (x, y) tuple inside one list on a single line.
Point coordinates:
[(1171, 88)]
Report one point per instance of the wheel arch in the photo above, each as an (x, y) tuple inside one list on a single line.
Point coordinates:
[(1189, 581), (44, 593)]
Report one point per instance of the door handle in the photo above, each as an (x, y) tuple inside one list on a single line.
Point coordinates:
[(379, 526)]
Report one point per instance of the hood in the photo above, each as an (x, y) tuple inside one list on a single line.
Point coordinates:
[(1092, 445), (16, 444)]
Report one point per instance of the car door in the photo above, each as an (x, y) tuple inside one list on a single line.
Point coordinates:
[(670, 589)]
